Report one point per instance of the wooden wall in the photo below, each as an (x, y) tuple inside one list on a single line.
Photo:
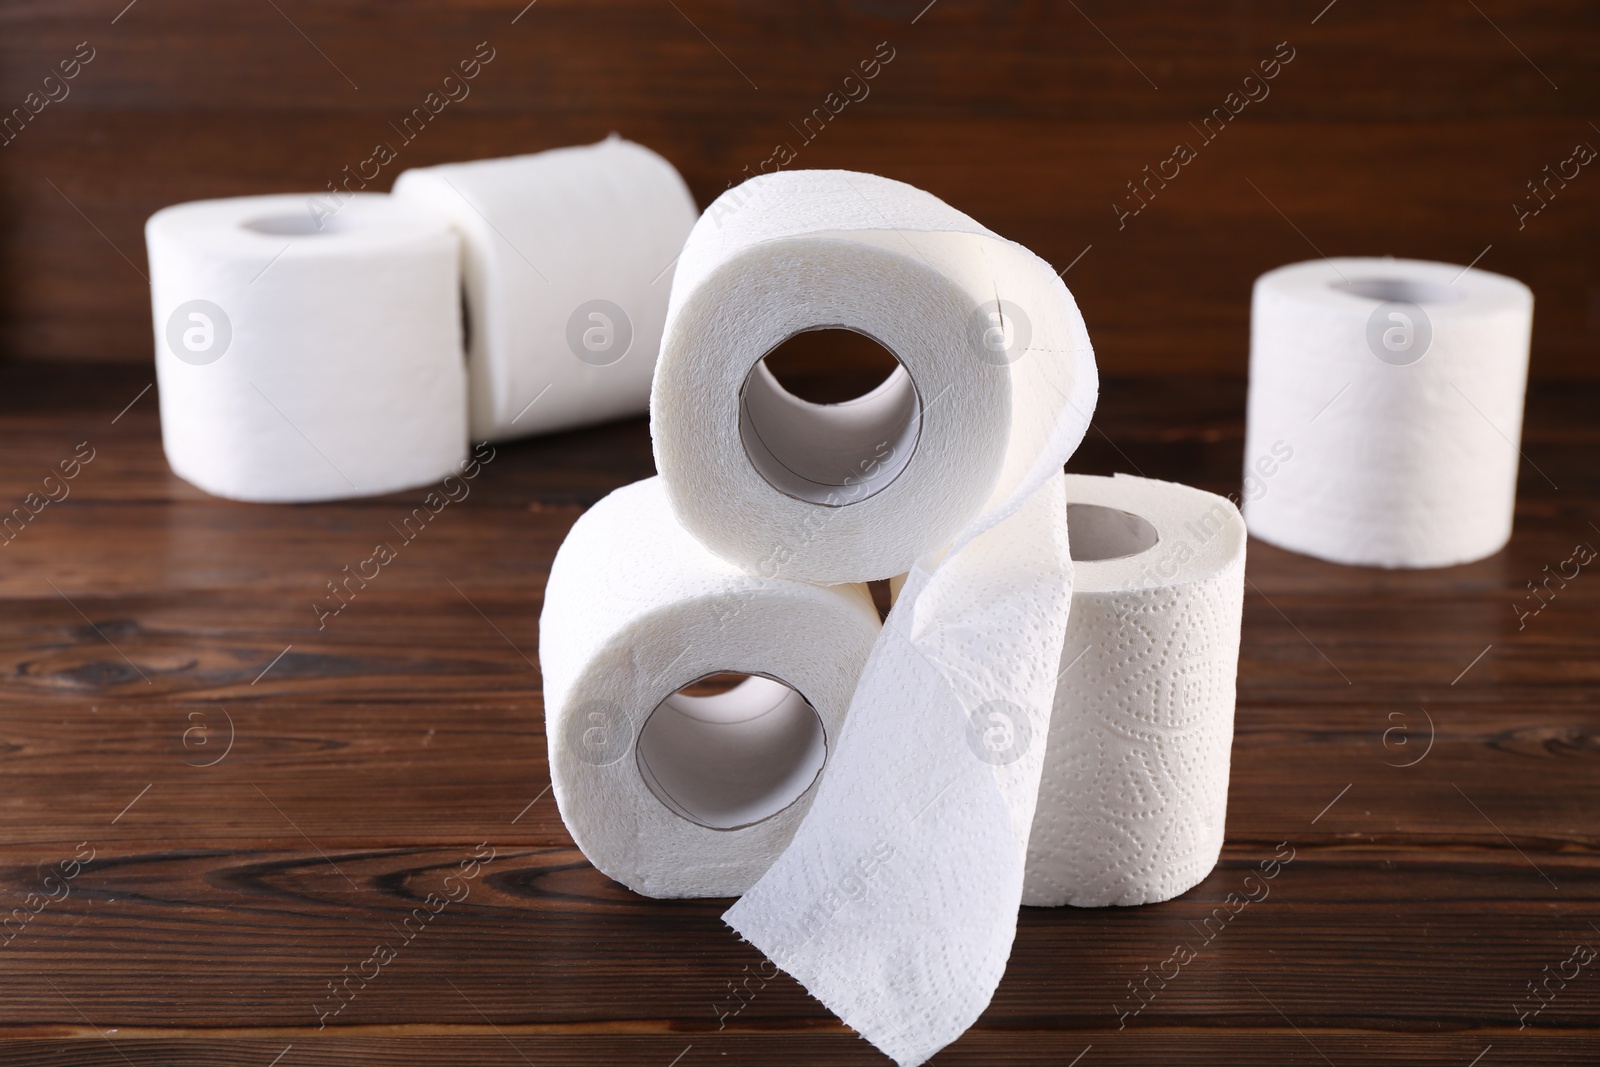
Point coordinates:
[(1397, 128)]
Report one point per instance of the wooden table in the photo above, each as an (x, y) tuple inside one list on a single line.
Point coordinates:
[(266, 803)]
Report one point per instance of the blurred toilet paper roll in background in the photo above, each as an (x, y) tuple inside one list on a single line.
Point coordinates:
[(858, 490), (306, 359), (670, 782), (1134, 789), (568, 258), (1396, 386)]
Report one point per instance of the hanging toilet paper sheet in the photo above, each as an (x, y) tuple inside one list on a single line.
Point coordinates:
[(678, 794), (1134, 788), (299, 362), (1397, 387), (568, 259), (896, 902)]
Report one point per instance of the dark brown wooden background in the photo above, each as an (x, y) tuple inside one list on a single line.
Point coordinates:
[(267, 800), (1399, 128)]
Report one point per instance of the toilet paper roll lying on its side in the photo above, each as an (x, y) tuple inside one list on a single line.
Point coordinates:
[(307, 359), (896, 902), (680, 795), (1385, 410), (860, 490), (1134, 790), (568, 266)]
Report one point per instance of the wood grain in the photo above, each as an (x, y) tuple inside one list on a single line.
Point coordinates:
[(541, 939), (1409, 130), (256, 836), (267, 800)]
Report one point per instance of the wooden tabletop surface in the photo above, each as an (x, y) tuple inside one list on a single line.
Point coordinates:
[(212, 809)]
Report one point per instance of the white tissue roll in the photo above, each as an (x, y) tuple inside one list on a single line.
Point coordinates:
[(305, 356), (568, 258), (860, 490), (1134, 792), (910, 862), (1396, 388), (673, 795)]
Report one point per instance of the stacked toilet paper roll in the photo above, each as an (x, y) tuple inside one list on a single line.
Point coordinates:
[(1386, 410), (910, 861), (1134, 789), (862, 490), (300, 359), (673, 793), (1045, 717), (568, 258)]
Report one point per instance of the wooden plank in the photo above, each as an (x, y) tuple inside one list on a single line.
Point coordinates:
[(230, 884), (1412, 134), (1030, 57), (1343, 937), (438, 770), (516, 1047), (1166, 290)]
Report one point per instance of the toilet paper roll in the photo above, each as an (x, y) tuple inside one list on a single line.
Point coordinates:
[(307, 357), (860, 490), (1134, 789), (568, 266), (684, 794), (1385, 410), (896, 902)]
